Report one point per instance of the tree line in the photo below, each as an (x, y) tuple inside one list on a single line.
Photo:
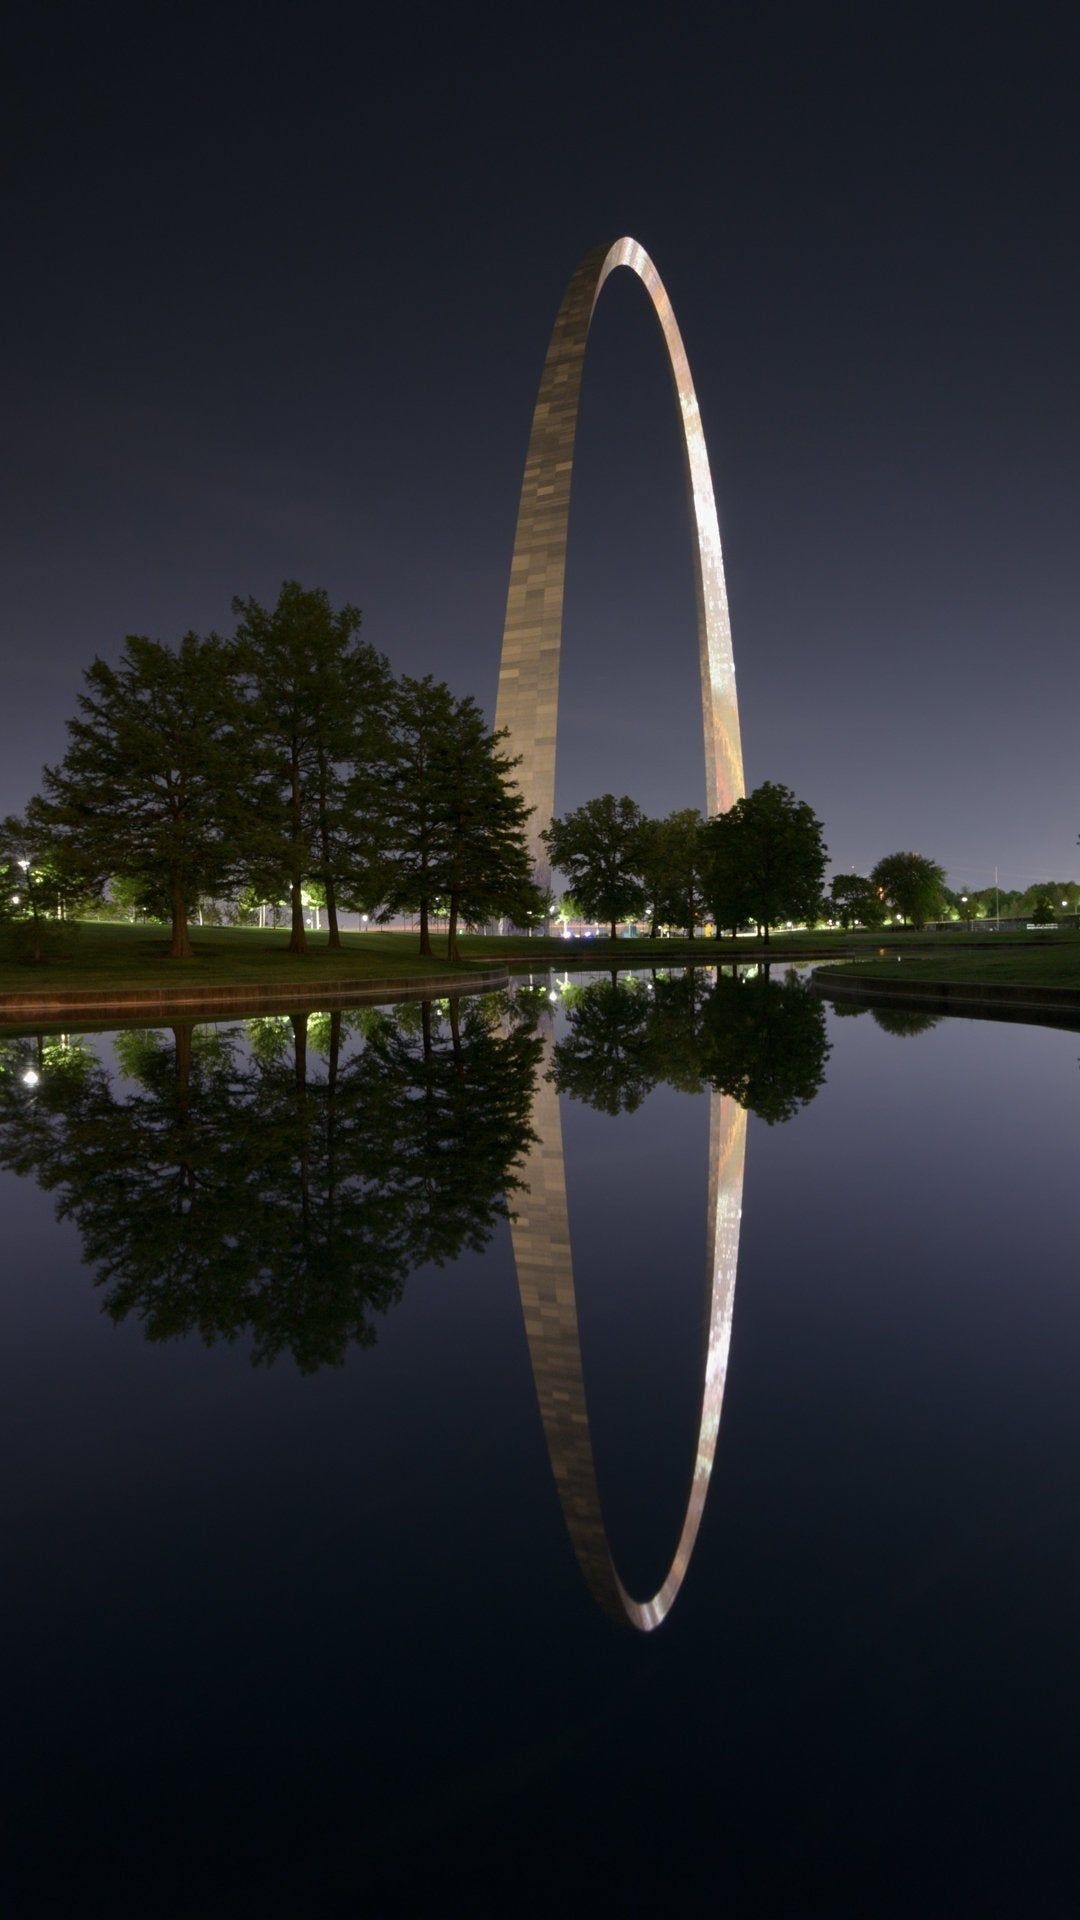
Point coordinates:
[(761, 864), (285, 756), (288, 762)]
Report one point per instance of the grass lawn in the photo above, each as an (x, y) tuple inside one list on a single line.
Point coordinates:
[(1044, 960), (103, 954)]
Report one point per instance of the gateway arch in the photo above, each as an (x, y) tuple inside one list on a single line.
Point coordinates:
[(528, 698), (527, 707)]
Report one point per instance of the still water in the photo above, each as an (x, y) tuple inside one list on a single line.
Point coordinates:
[(612, 1443)]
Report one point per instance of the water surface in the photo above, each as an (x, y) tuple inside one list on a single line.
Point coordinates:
[(293, 1618)]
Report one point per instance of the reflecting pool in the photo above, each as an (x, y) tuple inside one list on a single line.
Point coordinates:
[(614, 1441)]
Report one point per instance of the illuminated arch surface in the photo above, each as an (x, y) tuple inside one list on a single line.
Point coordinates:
[(532, 637), (545, 1275)]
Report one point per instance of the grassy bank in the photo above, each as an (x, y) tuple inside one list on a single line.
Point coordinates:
[(1044, 960), (102, 956)]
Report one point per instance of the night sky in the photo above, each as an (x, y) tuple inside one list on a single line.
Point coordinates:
[(280, 282)]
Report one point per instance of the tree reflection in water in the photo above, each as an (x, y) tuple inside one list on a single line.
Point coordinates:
[(759, 1039), (279, 1181)]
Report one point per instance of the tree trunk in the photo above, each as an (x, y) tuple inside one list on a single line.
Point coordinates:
[(451, 930), (180, 948), (334, 939), (765, 935), (614, 926), (298, 936), (324, 845), (425, 932), (654, 929)]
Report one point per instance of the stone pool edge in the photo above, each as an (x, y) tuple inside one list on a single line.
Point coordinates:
[(277, 997), (1012, 999)]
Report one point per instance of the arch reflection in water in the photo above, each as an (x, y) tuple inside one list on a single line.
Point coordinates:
[(545, 1273)]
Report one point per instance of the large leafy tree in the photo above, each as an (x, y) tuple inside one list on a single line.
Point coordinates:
[(410, 864), (855, 901), (318, 699), (599, 847), (154, 785), (724, 880), (673, 861), (451, 819), (912, 886), (37, 890), (487, 869), (769, 850)]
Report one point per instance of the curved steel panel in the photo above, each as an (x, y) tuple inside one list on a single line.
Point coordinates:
[(532, 636)]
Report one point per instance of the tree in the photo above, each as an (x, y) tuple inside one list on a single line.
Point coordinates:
[(723, 878), (452, 823), (487, 871), (1062, 895), (598, 847), (318, 701), (408, 858), (35, 891), (855, 901), (1042, 913), (153, 787), (768, 848), (912, 886), (567, 910), (673, 855)]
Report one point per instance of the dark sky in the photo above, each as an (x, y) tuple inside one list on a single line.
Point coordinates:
[(280, 285)]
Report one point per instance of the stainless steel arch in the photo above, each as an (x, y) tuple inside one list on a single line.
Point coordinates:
[(545, 1275), (532, 636)]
